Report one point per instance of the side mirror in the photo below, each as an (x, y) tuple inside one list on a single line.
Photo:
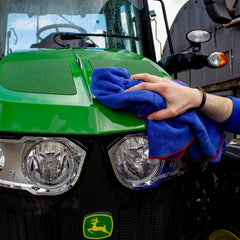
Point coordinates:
[(218, 11), (179, 62)]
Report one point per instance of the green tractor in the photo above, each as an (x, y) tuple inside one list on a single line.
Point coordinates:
[(71, 168)]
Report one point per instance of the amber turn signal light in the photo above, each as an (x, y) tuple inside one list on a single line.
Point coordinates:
[(217, 60)]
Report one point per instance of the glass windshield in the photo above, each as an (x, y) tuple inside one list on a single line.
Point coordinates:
[(29, 24)]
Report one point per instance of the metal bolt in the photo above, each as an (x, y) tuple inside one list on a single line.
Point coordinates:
[(11, 174)]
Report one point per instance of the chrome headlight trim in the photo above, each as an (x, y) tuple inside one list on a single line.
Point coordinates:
[(15, 174)]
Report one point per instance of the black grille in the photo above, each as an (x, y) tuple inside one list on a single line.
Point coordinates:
[(156, 213)]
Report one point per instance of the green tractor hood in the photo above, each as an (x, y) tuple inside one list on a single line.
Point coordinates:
[(47, 91)]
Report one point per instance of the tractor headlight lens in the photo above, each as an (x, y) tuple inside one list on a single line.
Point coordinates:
[(45, 166), (133, 168), (131, 159), (49, 164)]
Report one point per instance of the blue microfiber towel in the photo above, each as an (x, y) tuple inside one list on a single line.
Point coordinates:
[(168, 139)]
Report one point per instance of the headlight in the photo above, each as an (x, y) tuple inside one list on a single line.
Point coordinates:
[(47, 166), (198, 36), (133, 168)]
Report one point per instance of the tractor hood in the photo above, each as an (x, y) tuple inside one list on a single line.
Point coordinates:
[(47, 91)]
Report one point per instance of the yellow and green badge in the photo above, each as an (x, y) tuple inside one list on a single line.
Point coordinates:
[(98, 226)]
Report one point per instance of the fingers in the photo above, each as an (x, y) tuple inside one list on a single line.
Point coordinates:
[(148, 78), (173, 93), (145, 86), (161, 115)]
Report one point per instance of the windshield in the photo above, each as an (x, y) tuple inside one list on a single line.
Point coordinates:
[(27, 24)]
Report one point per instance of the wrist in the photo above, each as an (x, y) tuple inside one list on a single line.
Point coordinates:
[(204, 98), (196, 99)]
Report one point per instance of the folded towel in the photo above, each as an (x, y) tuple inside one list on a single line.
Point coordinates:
[(170, 138)]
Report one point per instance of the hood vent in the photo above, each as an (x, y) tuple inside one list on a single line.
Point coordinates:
[(45, 76)]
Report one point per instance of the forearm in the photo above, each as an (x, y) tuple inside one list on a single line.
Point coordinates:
[(217, 108)]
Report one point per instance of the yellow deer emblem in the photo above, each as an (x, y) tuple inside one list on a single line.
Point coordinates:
[(96, 228)]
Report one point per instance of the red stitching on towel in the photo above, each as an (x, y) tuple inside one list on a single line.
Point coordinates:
[(174, 159), (219, 150)]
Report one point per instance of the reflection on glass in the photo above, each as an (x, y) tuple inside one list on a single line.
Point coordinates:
[(103, 23)]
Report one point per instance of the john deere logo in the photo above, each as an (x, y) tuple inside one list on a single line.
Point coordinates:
[(98, 226)]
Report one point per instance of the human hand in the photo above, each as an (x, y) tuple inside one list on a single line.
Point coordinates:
[(178, 98)]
